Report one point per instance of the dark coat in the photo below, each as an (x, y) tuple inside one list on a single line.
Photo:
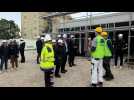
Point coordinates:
[(22, 47), (71, 49), (4, 51), (119, 46), (14, 50), (60, 53), (39, 46)]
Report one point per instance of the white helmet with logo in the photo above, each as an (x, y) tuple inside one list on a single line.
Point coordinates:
[(47, 38), (60, 41), (64, 35)]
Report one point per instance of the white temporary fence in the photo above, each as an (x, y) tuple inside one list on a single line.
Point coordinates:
[(30, 44)]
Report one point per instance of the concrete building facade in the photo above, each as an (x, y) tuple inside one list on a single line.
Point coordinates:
[(33, 25)]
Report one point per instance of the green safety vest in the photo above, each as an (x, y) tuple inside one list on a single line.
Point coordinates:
[(47, 57), (100, 48), (107, 50)]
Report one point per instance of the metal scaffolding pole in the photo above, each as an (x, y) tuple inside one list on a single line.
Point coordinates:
[(90, 20), (129, 36), (86, 37)]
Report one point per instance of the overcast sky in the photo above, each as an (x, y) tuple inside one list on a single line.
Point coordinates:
[(16, 16)]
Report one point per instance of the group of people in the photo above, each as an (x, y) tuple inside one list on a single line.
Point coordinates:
[(9, 50), (102, 50), (53, 55)]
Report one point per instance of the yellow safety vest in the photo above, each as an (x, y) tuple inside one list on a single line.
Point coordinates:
[(47, 57), (100, 48)]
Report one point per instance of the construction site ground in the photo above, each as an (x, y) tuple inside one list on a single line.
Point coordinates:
[(29, 75)]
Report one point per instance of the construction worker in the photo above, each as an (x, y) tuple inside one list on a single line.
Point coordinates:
[(71, 51), (66, 54), (58, 37), (97, 54), (60, 56), (119, 47), (108, 55), (47, 61)]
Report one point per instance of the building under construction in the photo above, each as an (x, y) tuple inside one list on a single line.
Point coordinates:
[(113, 22)]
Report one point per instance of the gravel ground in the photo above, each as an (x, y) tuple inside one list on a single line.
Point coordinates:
[(29, 75)]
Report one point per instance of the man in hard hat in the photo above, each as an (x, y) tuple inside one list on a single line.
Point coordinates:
[(97, 54), (60, 55), (119, 47), (22, 49), (108, 55), (63, 70), (58, 37), (71, 51), (4, 55), (47, 61), (39, 44)]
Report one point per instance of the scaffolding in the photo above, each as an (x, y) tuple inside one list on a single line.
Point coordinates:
[(89, 18)]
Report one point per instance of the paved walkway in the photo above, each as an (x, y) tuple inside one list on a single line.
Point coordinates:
[(29, 75)]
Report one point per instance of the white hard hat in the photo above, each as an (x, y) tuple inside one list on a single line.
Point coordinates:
[(42, 38), (47, 37), (64, 35), (4, 41), (53, 41), (120, 35), (59, 36), (72, 36), (60, 41)]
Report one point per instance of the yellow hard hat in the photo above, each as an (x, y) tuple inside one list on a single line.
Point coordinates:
[(104, 34), (98, 29)]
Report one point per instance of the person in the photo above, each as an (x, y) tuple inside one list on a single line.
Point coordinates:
[(14, 54), (47, 61), (54, 43), (4, 55), (97, 54), (22, 49), (108, 55), (60, 56), (89, 48), (66, 53), (71, 51), (119, 45), (39, 45)]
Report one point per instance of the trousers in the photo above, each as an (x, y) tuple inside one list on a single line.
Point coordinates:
[(96, 71)]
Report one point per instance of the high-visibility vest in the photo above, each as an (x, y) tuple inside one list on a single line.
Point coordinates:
[(107, 50), (47, 57), (100, 48)]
